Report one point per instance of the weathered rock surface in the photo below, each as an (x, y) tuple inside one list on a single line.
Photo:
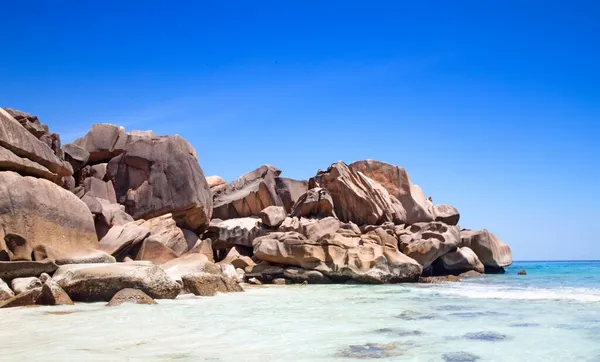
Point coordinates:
[(238, 258), (53, 294), (15, 138), (10, 270), (289, 191), (5, 291), (248, 195), (370, 258), (462, 260), (31, 123), (155, 252), (203, 247), (425, 242), (11, 162), (130, 295), (28, 298), (103, 142), (207, 285), (315, 202), (100, 282), (491, 251), (163, 229), (273, 216), (22, 285), (227, 233), (357, 198), (446, 214), (189, 264), (44, 214), (111, 215), (100, 189), (120, 239), (17, 248), (395, 180), (160, 175), (215, 181), (76, 156), (81, 256)]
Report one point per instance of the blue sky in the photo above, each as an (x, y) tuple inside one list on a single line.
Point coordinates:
[(492, 106)]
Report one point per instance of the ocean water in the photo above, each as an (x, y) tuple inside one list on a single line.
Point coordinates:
[(551, 314)]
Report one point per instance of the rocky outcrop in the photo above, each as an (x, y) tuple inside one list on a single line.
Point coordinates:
[(11, 162), (15, 138), (248, 195), (303, 276), (425, 242), (28, 298), (343, 255), (130, 295), (76, 156), (22, 285), (103, 142), (315, 202), (100, 282), (190, 264), (490, 250), (100, 189), (216, 184), (79, 256), (207, 285), (5, 291), (462, 260), (110, 215), (53, 294), (289, 191), (161, 175), (273, 216), (228, 233), (10, 270), (44, 214), (357, 198), (154, 251), (120, 239), (446, 214), (164, 230), (416, 208)]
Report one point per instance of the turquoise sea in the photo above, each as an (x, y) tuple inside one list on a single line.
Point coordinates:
[(551, 314)]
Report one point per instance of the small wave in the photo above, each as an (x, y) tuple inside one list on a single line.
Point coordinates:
[(491, 292)]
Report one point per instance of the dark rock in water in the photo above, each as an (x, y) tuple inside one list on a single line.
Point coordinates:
[(400, 332), (524, 325), (494, 270), (486, 336), (460, 357), (410, 315), (522, 272), (441, 279), (372, 350)]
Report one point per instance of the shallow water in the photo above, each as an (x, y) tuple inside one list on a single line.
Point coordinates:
[(551, 314)]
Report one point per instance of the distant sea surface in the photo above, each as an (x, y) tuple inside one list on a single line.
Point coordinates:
[(550, 314)]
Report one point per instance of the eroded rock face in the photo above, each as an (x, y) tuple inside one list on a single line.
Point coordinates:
[(228, 233), (370, 258), (53, 294), (161, 175), (43, 213), (100, 282), (163, 229), (11, 162), (207, 285), (155, 252), (273, 216), (189, 264), (491, 251), (100, 189), (425, 242), (22, 285), (462, 260), (446, 214), (22, 300), (248, 195), (111, 215), (130, 295), (315, 202), (120, 239), (396, 181), (76, 156), (358, 198), (5, 291), (103, 142), (15, 138), (10, 270), (289, 191), (80, 256)]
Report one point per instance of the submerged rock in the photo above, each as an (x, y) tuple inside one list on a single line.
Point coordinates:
[(373, 350), (440, 279), (460, 357), (522, 272), (410, 315), (486, 336), (130, 295)]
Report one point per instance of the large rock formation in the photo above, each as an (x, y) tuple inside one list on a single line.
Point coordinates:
[(314, 203), (289, 191), (100, 282), (425, 242), (103, 142), (340, 254), (248, 195), (462, 260), (160, 175), (491, 251), (44, 214), (396, 181), (446, 214), (228, 233), (358, 198)]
